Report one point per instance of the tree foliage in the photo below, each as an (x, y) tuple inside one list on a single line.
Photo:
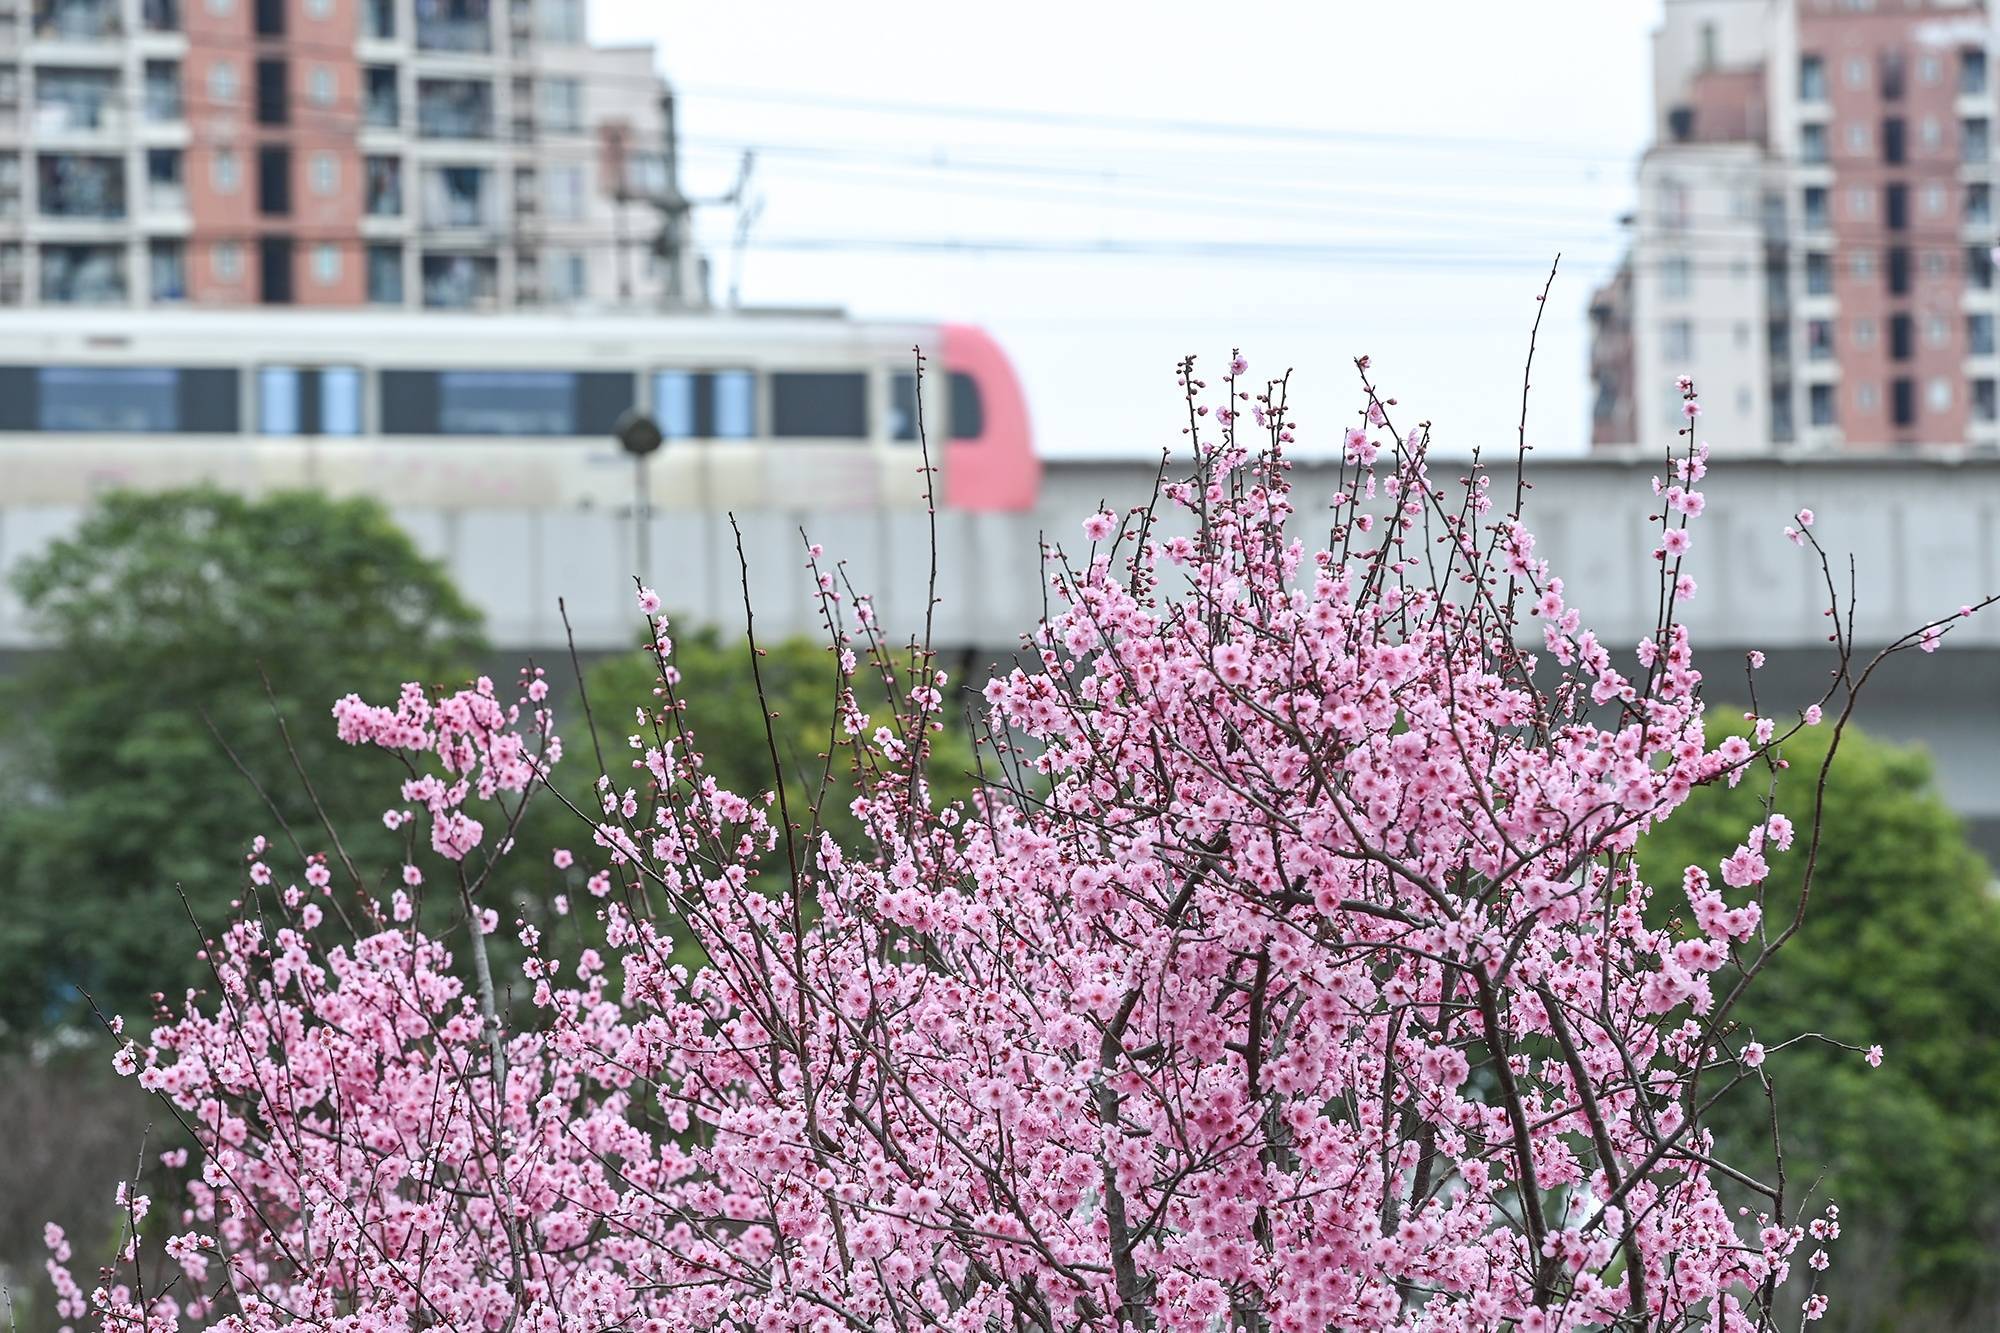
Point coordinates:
[(158, 610), (1900, 943)]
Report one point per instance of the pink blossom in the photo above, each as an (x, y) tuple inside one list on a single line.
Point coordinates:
[(1100, 525), (1874, 1057), (1753, 1055)]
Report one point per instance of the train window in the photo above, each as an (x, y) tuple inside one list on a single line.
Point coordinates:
[(118, 399), (502, 402), (819, 404), (968, 409), (903, 406), (706, 404), (319, 401), (735, 404), (277, 401), (340, 401), (485, 402)]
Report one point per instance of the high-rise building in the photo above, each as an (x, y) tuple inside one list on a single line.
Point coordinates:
[(1815, 230), (450, 154)]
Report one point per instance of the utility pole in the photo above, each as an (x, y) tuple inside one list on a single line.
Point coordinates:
[(674, 239)]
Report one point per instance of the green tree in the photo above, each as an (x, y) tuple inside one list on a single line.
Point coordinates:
[(160, 609), (1899, 946)]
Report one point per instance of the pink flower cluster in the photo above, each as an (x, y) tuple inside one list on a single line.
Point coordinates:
[(1293, 972)]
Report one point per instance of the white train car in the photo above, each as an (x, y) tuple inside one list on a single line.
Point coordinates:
[(762, 410)]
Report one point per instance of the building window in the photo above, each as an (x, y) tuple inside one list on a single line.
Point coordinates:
[(1860, 202), (385, 187), (1812, 79), (1861, 265), (1985, 400), (1974, 139), (1903, 402), (378, 19), (1857, 138), (1822, 407), (1938, 394), (1673, 205), (268, 17), (220, 8), (274, 96), (319, 9), (165, 191), (1979, 266), (222, 83), (559, 21), (227, 260), (1979, 204), (1902, 338), (325, 173), (77, 185), (380, 105), (1781, 414), (166, 268), (274, 180), (1936, 265), (163, 90), (1972, 71), (321, 86), (454, 109), (458, 197), (1865, 396), (274, 254), (83, 274), (1930, 133), (1819, 273), (1979, 334), (326, 264), (385, 274), (1899, 269), (1812, 143), (1819, 339), (460, 282), (1677, 340), (1864, 332), (1937, 330), (1893, 146), (1934, 197), (225, 172), (455, 25), (706, 404), (1929, 69), (569, 275), (1813, 206), (160, 15), (1857, 72), (1896, 206), (560, 104), (566, 190)]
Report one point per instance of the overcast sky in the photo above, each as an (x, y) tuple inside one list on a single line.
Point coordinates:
[(1307, 182)]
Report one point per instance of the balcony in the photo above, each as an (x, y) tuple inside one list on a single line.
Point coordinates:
[(385, 187), (382, 107), (81, 188), (454, 109), (160, 15), (77, 101), (83, 274), (454, 25), (461, 282), (459, 198), (378, 20), (163, 92), (77, 20)]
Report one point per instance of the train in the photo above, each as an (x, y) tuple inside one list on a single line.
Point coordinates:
[(760, 409)]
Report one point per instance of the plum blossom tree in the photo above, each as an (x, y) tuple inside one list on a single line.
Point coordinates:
[(1290, 970)]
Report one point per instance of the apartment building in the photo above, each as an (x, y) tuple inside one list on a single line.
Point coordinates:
[(445, 154), (1814, 235)]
